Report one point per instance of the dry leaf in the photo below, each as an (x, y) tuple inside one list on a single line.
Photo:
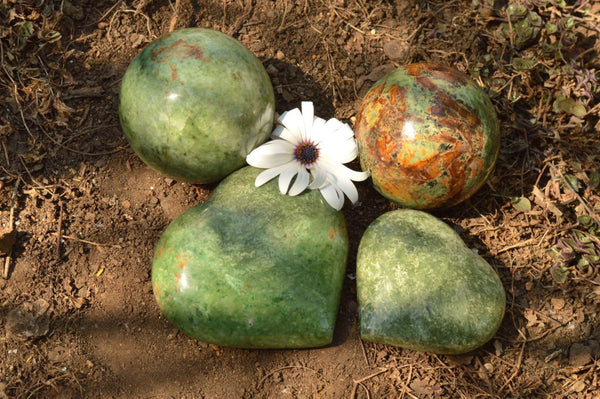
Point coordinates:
[(540, 199), (557, 303), (531, 317), (423, 388), (78, 302), (579, 386), (580, 354)]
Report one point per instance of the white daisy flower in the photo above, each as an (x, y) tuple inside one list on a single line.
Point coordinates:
[(306, 146)]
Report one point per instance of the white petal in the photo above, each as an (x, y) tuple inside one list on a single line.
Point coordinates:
[(301, 182), (286, 177), (339, 151), (319, 132), (293, 122), (339, 128), (340, 170), (271, 154), (292, 136), (332, 196), (352, 174), (320, 178), (347, 187), (267, 175), (308, 115), (277, 131), (276, 146)]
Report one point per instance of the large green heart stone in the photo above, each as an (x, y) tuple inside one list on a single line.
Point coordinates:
[(420, 287), (194, 103), (253, 268)]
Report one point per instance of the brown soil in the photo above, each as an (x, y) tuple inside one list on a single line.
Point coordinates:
[(77, 310)]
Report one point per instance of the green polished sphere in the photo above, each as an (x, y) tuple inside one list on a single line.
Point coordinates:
[(194, 103)]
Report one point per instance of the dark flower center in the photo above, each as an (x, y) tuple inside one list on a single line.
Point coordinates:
[(307, 153)]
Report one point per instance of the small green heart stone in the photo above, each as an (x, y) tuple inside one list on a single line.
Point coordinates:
[(420, 287)]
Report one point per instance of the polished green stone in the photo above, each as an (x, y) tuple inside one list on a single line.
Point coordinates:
[(420, 287), (253, 268), (428, 135), (194, 103)]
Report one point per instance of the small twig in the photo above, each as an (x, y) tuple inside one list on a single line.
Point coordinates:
[(405, 387), (174, 17), (23, 118), (280, 28), (117, 4), (98, 244), (6, 154), (261, 382), (11, 220), (517, 369), (57, 261), (359, 382), (4, 65), (59, 229), (80, 152), (517, 245), (40, 185), (364, 352)]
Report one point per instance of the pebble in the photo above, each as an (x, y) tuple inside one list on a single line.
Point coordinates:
[(396, 49)]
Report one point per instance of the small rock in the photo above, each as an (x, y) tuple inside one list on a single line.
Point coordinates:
[(169, 181), (272, 70), (29, 321), (136, 40), (396, 49), (58, 354), (73, 11), (580, 354)]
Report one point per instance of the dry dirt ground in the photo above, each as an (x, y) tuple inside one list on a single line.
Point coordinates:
[(77, 314)]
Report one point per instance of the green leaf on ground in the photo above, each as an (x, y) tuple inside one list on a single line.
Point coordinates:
[(559, 273), (521, 204), (565, 104)]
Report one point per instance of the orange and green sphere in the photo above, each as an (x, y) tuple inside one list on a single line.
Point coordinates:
[(428, 135)]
